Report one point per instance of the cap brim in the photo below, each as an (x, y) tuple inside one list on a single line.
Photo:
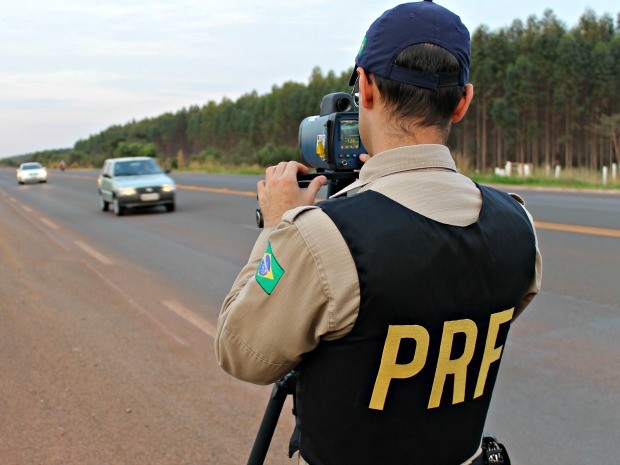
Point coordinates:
[(353, 77)]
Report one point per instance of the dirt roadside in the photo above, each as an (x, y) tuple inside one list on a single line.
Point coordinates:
[(86, 379)]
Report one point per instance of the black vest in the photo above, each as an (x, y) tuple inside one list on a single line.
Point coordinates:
[(411, 383)]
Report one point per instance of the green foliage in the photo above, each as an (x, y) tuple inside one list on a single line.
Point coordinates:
[(208, 156), (9, 162), (272, 154), (135, 149)]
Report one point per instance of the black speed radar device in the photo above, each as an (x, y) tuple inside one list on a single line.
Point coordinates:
[(331, 143), (331, 140)]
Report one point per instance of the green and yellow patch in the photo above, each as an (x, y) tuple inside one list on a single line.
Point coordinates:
[(269, 271)]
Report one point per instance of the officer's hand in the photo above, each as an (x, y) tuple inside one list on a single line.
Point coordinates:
[(279, 191)]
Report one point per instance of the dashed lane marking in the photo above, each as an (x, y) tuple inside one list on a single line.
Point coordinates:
[(48, 223), (93, 253), (139, 307), (26, 208), (191, 317)]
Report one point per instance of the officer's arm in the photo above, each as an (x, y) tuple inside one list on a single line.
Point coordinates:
[(535, 285), (281, 305)]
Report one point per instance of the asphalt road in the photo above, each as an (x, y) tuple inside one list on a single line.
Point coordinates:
[(106, 325)]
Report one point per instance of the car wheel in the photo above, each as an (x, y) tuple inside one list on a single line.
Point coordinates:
[(103, 204), (119, 210), (170, 207)]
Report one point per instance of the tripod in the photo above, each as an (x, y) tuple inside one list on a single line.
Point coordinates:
[(281, 389)]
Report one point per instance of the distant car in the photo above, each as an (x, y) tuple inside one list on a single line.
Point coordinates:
[(134, 182), (31, 172)]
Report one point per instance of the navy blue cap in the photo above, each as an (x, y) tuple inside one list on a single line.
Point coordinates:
[(409, 24)]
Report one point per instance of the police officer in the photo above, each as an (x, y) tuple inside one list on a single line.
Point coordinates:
[(395, 297)]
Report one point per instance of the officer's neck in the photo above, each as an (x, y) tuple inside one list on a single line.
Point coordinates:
[(391, 137)]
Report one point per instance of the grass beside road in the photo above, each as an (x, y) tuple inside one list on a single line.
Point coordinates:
[(573, 180), (221, 168), (533, 181)]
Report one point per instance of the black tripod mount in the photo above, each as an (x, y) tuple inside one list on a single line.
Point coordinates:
[(281, 389)]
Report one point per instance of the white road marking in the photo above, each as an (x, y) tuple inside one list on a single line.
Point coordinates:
[(191, 317), (28, 209), (93, 253), (13, 199), (139, 307), (48, 223)]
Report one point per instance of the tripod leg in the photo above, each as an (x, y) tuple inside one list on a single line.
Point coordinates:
[(267, 427)]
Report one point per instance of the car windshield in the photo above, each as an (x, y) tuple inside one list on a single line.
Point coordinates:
[(136, 167), (33, 166)]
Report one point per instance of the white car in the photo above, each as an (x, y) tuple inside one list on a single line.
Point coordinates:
[(134, 182), (31, 172)]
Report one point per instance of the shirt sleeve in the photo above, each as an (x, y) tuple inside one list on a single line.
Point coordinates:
[(287, 298), (536, 283)]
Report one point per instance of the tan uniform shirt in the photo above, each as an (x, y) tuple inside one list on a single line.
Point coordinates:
[(261, 337)]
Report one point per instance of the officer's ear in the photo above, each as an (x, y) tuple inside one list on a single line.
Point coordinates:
[(367, 88), (461, 108)]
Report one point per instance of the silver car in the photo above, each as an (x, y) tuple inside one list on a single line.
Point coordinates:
[(134, 182), (31, 172)]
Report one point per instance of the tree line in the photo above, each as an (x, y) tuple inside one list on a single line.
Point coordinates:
[(544, 94)]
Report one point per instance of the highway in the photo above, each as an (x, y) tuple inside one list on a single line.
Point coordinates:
[(106, 329)]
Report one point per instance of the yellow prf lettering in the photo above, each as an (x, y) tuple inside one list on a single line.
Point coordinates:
[(389, 369), (491, 353), (457, 366)]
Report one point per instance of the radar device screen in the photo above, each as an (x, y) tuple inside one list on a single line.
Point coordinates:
[(349, 134)]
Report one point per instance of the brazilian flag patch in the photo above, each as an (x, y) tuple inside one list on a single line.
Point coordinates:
[(269, 271)]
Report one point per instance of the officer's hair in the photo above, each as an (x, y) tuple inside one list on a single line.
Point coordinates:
[(424, 107)]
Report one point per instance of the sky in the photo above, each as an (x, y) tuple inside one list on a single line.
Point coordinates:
[(72, 68)]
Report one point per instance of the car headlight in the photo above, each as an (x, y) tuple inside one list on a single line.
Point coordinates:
[(167, 188), (125, 191)]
